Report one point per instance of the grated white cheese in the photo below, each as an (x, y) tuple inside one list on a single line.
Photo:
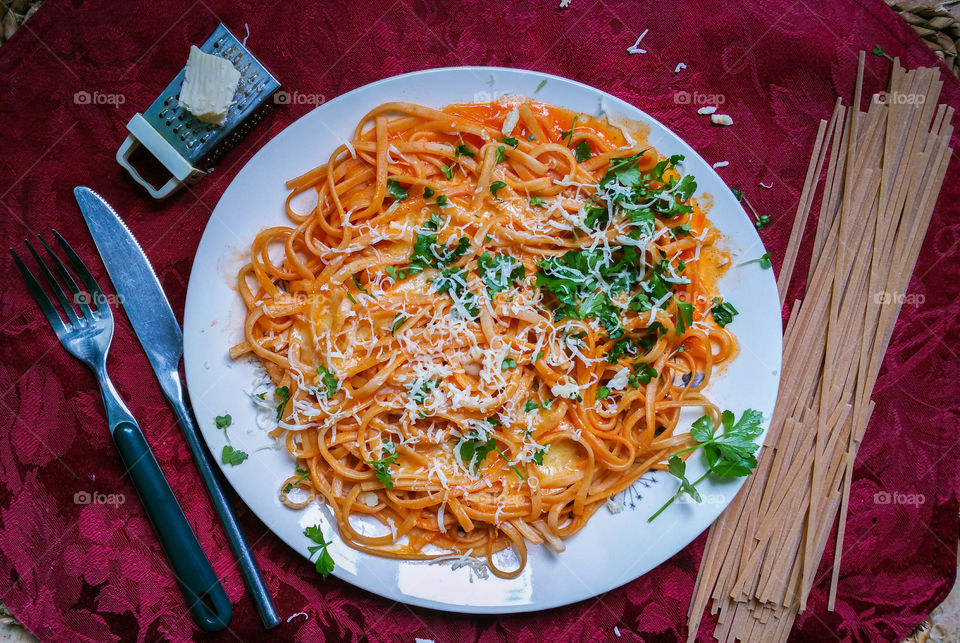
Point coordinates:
[(510, 121), (720, 164), (303, 614), (619, 381), (679, 67), (635, 49), (709, 109), (764, 185), (721, 119)]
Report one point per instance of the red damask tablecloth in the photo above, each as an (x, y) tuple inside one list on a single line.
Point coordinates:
[(95, 572)]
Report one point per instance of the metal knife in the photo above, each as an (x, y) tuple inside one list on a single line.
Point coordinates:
[(159, 333)]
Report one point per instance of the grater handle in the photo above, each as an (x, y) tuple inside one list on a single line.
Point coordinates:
[(123, 155)]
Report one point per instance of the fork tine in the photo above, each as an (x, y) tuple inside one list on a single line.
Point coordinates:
[(55, 287), (96, 294), (71, 284), (42, 299)]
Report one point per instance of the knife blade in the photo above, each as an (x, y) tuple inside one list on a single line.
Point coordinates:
[(155, 325), (138, 288)]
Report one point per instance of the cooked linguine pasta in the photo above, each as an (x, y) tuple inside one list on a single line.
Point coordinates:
[(488, 325)]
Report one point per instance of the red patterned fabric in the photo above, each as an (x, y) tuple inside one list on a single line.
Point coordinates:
[(95, 572)]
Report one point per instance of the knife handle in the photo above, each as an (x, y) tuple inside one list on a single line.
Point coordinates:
[(205, 596), (214, 482)]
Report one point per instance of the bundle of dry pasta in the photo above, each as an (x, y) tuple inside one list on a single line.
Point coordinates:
[(884, 172)]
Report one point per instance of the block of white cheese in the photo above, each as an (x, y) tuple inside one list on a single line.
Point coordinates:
[(209, 85)]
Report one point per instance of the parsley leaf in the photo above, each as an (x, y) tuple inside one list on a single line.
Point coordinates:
[(398, 321), (495, 187), (396, 190), (223, 421), (499, 271), (427, 193), (501, 157), (304, 474), (463, 150), (582, 151), (382, 466), (543, 83), (282, 393), (538, 456), (391, 272), (568, 134), (731, 454), (232, 456), (530, 406), (329, 380), (763, 260), (723, 312), (511, 141), (536, 202), (603, 393), (541, 353), (738, 193), (684, 317), (447, 172), (325, 562), (878, 51), (442, 200), (508, 364)]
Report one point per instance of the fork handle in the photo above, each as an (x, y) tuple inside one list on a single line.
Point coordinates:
[(207, 600)]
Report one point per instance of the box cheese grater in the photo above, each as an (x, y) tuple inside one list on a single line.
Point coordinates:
[(187, 147)]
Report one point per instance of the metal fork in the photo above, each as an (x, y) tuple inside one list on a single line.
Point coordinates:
[(87, 337)]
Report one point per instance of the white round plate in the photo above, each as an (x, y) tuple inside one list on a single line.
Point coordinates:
[(613, 548)]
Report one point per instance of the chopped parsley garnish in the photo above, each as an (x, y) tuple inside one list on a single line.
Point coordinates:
[(737, 192), (642, 374), (427, 193), (730, 454), (391, 272), (540, 353), (511, 141), (475, 450), (603, 393), (682, 230), (538, 456), (582, 151), (329, 381), (536, 202), (508, 364), (382, 466), (232, 456), (223, 421), (763, 260), (723, 312), (325, 562), (453, 281), (447, 172), (501, 157), (499, 271), (360, 287), (878, 51), (442, 200), (304, 474), (418, 389), (396, 190), (684, 317), (398, 321), (463, 150), (531, 137), (543, 83), (584, 282), (568, 134), (762, 221), (282, 394), (495, 187), (530, 406)]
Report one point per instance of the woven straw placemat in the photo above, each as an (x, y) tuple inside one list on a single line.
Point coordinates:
[(938, 24)]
